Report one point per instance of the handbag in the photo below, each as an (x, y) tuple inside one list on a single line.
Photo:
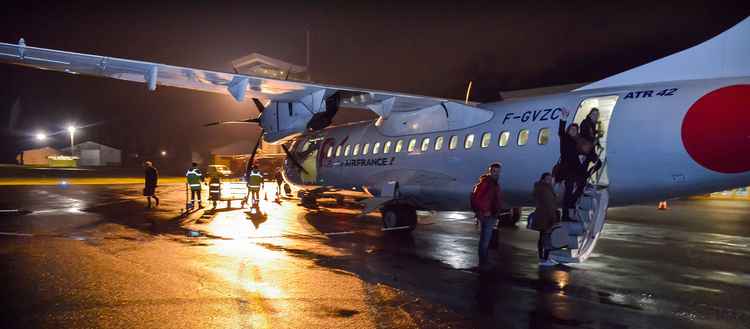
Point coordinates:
[(530, 221)]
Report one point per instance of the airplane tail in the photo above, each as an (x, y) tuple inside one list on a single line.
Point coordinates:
[(725, 55)]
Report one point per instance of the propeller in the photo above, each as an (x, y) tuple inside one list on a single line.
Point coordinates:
[(291, 157), (258, 104), (255, 150), (323, 119), (248, 121)]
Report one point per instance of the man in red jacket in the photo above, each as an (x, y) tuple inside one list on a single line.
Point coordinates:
[(486, 200)]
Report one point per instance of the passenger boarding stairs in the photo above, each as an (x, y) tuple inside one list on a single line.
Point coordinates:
[(573, 242)]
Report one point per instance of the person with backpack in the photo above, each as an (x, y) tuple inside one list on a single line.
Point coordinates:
[(486, 201), (545, 215)]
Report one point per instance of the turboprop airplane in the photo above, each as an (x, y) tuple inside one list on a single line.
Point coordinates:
[(678, 126)]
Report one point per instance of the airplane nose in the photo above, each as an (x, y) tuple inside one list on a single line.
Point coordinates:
[(716, 130)]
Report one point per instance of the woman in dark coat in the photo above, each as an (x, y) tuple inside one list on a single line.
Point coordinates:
[(569, 168), (151, 178), (545, 215)]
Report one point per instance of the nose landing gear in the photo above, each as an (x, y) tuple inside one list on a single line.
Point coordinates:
[(399, 217)]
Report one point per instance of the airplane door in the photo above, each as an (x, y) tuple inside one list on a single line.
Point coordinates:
[(606, 106)]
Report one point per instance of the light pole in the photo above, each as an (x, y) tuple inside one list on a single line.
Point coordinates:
[(72, 131)]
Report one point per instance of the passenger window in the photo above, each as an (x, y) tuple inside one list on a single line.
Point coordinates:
[(338, 150), (399, 146), (356, 150), (330, 152), (387, 147), (376, 148), (469, 141), (347, 149), (453, 142), (504, 138), (412, 145), (438, 143), (523, 137), (425, 144), (543, 136), (366, 149), (486, 138)]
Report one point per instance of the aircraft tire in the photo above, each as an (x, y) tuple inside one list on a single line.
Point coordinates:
[(399, 215)]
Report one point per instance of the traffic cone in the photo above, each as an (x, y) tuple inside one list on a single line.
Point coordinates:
[(662, 205)]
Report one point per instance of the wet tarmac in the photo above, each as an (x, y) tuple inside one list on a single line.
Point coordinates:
[(92, 256)]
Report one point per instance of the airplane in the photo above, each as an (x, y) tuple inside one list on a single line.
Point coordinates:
[(674, 127)]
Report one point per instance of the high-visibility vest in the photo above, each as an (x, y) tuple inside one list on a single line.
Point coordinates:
[(194, 178), (255, 179)]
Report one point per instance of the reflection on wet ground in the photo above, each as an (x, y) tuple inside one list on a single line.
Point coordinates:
[(336, 268)]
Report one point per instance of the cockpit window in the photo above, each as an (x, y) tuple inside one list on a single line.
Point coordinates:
[(347, 149), (387, 147), (376, 148)]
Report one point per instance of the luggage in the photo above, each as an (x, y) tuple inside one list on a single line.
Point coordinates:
[(530, 222)]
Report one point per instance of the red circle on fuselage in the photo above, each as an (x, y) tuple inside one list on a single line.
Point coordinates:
[(716, 130)]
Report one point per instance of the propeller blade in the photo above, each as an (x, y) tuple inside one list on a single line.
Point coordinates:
[(248, 121), (259, 105), (293, 159), (255, 149)]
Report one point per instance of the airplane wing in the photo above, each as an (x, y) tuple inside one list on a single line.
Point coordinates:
[(237, 85)]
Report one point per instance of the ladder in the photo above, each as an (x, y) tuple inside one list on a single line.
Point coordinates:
[(573, 242)]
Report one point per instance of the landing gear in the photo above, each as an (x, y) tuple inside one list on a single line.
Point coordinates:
[(308, 200), (399, 216)]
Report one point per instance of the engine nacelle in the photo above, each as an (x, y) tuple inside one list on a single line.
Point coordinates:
[(284, 120)]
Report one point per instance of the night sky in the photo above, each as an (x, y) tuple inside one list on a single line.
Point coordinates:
[(429, 48)]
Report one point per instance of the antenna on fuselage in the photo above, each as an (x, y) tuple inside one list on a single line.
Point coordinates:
[(468, 92)]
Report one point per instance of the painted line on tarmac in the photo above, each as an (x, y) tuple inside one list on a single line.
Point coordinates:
[(338, 233), (16, 234), (395, 228), (14, 211)]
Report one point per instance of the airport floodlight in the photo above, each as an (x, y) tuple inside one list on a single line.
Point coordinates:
[(72, 131), (41, 137)]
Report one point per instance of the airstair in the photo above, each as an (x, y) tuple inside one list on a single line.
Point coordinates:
[(573, 241)]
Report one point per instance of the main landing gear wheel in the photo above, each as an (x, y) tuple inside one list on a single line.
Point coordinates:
[(399, 216)]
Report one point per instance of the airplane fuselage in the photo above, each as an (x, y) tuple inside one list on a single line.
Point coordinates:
[(650, 146)]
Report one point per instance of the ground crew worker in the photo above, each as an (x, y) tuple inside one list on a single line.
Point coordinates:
[(254, 184), (194, 179)]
